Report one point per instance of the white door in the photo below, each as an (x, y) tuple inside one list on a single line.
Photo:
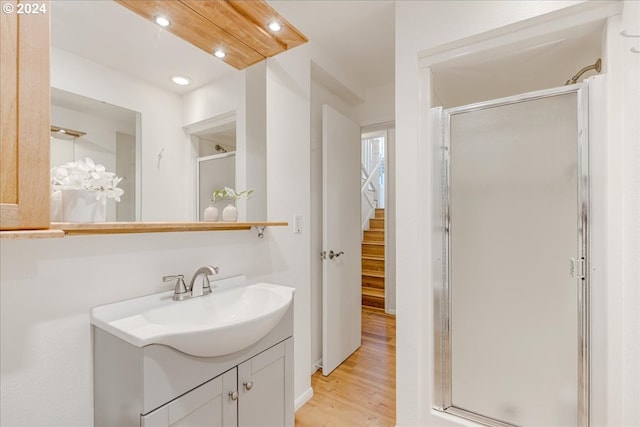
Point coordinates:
[(341, 270)]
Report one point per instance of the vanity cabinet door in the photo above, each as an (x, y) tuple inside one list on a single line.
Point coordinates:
[(265, 388), (24, 116), (210, 405)]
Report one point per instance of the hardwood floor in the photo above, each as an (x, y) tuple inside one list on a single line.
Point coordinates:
[(361, 391)]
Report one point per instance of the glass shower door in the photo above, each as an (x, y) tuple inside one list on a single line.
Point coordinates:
[(515, 293)]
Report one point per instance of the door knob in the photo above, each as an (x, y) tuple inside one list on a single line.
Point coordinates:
[(248, 385), (333, 254), (233, 395)]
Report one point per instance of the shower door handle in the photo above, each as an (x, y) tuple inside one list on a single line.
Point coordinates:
[(576, 268)]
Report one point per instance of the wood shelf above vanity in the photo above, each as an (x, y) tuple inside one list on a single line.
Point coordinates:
[(60, 229)]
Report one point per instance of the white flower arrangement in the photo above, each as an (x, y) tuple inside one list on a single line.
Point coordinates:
[(227, 193), (86, 175)]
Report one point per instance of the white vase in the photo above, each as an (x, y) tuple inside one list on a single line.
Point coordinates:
[(82, 206), (210, 213), (56, 206), (230, 213)]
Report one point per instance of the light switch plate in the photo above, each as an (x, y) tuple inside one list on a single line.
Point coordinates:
[(297, 224)]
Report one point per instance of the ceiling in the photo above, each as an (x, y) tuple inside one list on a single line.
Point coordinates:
[(236, 30), (109, 34), (358, 34)]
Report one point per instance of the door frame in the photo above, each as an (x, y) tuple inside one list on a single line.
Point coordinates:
[(441, 288), (389, 129)]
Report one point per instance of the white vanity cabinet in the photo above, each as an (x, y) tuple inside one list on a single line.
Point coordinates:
[(262, 392), (207, 405), (157, 385)]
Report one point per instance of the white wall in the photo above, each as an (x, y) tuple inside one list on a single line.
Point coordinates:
[(421, 26), (378, 106), (213, 99), (623, 220), (163, 193), (288, 185), (47, 286)]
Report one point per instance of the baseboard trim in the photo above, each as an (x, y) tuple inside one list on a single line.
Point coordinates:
[(303, 398), (316, 366)]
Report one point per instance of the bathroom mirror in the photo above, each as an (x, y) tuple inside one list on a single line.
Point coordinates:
[(214, 172), (83, 127), (131, 68), (216, 162)]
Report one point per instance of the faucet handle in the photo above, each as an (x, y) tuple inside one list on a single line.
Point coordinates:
[(180, 289)]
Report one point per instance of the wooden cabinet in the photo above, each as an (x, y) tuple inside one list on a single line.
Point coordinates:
[(24, 117)]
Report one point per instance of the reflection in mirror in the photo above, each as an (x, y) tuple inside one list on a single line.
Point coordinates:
[(214, 172), (221, 139), (129, 68), (215, 140), (83, 127)]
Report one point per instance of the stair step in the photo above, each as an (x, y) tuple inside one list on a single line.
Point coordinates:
[(373, 292), (374, 235), (372, 297), (373, 273), (372, 263), (370, 281), (373, 249), (376, 224)]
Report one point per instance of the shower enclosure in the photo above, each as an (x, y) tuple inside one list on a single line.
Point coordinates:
[(512, 325)]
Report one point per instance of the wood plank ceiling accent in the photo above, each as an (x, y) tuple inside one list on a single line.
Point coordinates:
[(237, 27)]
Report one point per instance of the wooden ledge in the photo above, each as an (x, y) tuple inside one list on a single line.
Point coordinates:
[(61, 229), (30, 234), (155, 227)]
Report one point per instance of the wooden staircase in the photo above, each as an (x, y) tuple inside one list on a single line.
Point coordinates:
[(373, 263)]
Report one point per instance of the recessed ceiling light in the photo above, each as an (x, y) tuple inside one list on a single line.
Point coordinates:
[(219, 53), (275, 26), (162, 21), (181, 80)]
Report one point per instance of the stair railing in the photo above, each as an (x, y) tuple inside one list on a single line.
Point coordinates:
[(369, 191)]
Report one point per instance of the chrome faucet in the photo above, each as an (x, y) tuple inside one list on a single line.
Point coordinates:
[(207, 271), (182, 292)]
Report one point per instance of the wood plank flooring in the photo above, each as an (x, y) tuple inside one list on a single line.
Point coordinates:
[(361, 391)]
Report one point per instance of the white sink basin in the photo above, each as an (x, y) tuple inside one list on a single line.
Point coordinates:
[(223, 322)]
